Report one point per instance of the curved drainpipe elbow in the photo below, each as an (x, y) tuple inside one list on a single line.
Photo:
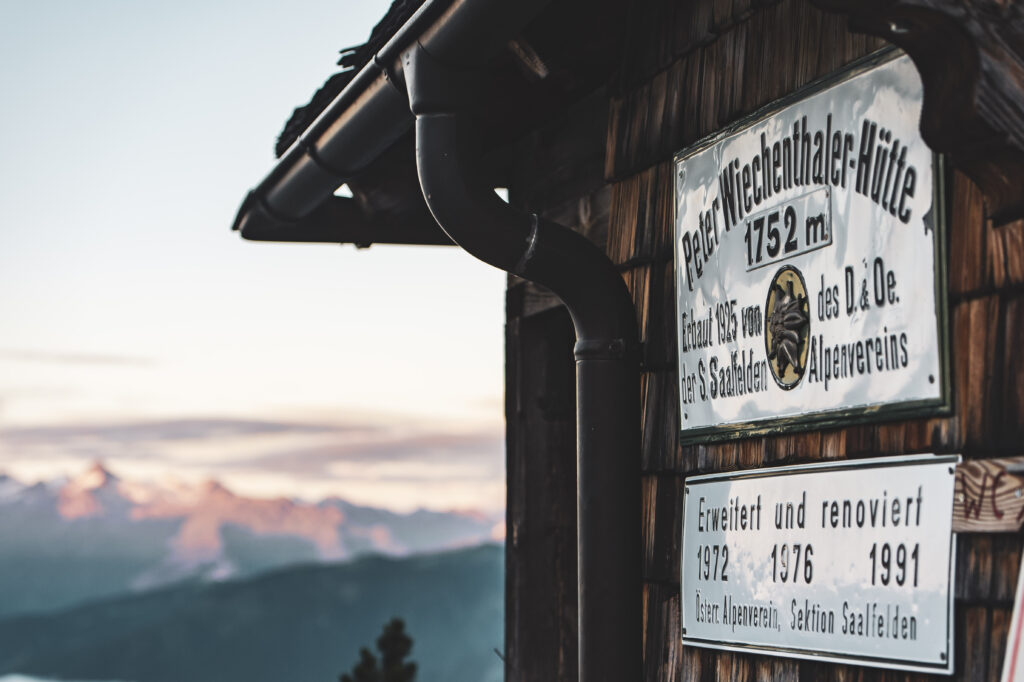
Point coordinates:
[(523, 244), (607, 357)]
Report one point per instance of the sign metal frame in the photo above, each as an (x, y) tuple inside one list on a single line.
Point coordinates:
[(829, 657), (929, 407)]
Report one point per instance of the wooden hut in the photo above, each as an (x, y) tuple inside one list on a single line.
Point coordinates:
[(580, 110)]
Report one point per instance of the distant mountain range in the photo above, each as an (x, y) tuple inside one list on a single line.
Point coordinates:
[(300, 624), (96, 536)]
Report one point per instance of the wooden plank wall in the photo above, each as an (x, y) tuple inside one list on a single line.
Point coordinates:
[(541, 512), (689, 69), (754, 56), (987, 330)]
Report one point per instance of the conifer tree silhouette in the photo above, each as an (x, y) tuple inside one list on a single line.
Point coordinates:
[(394, 645)]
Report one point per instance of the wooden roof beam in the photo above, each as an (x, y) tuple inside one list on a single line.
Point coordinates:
[(971, 59)]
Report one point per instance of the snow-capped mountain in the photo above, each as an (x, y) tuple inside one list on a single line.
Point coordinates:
[(96, 492), (97, 535)]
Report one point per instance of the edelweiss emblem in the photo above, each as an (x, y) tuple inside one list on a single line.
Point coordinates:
[(787, 323)]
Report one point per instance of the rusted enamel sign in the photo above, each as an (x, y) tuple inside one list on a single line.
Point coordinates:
[(848, 562), (807, 262)]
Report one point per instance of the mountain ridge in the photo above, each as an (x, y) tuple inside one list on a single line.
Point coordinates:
[(300, 623), (97, 535)]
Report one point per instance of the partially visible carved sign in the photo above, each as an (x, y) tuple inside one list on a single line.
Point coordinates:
[(988, 496)]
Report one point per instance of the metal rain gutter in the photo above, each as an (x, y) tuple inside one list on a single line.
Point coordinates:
[(372, 112), (341, 220)]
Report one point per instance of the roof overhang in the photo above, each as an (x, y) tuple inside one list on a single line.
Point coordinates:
[(539, 57)]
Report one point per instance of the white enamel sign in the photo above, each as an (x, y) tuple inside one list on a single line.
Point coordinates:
[(849, 562), (805, 266)]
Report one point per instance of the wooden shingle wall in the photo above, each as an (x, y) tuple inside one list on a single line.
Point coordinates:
[(987, 329), (689, 69), (541, 512), (749, 63)]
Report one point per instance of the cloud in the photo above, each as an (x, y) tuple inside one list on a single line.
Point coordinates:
[(294, 447), (387, 448), (157, 431), (72, 358), (393, 463)]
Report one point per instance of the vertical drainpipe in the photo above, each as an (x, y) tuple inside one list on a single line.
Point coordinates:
[(607, 359)]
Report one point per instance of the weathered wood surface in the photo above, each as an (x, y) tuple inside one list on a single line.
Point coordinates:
[(971, 58), (710, 72), (688, 69), (540, 574), (986, 325), (988, 496), (559, 164), (970, 55), (983, 260), (672, 99)]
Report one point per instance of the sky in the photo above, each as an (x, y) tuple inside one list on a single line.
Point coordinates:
[(136, 328)]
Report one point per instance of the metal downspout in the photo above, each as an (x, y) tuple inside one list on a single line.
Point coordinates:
[(607, 360)]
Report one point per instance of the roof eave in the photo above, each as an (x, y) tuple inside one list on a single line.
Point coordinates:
[(372, 112)]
